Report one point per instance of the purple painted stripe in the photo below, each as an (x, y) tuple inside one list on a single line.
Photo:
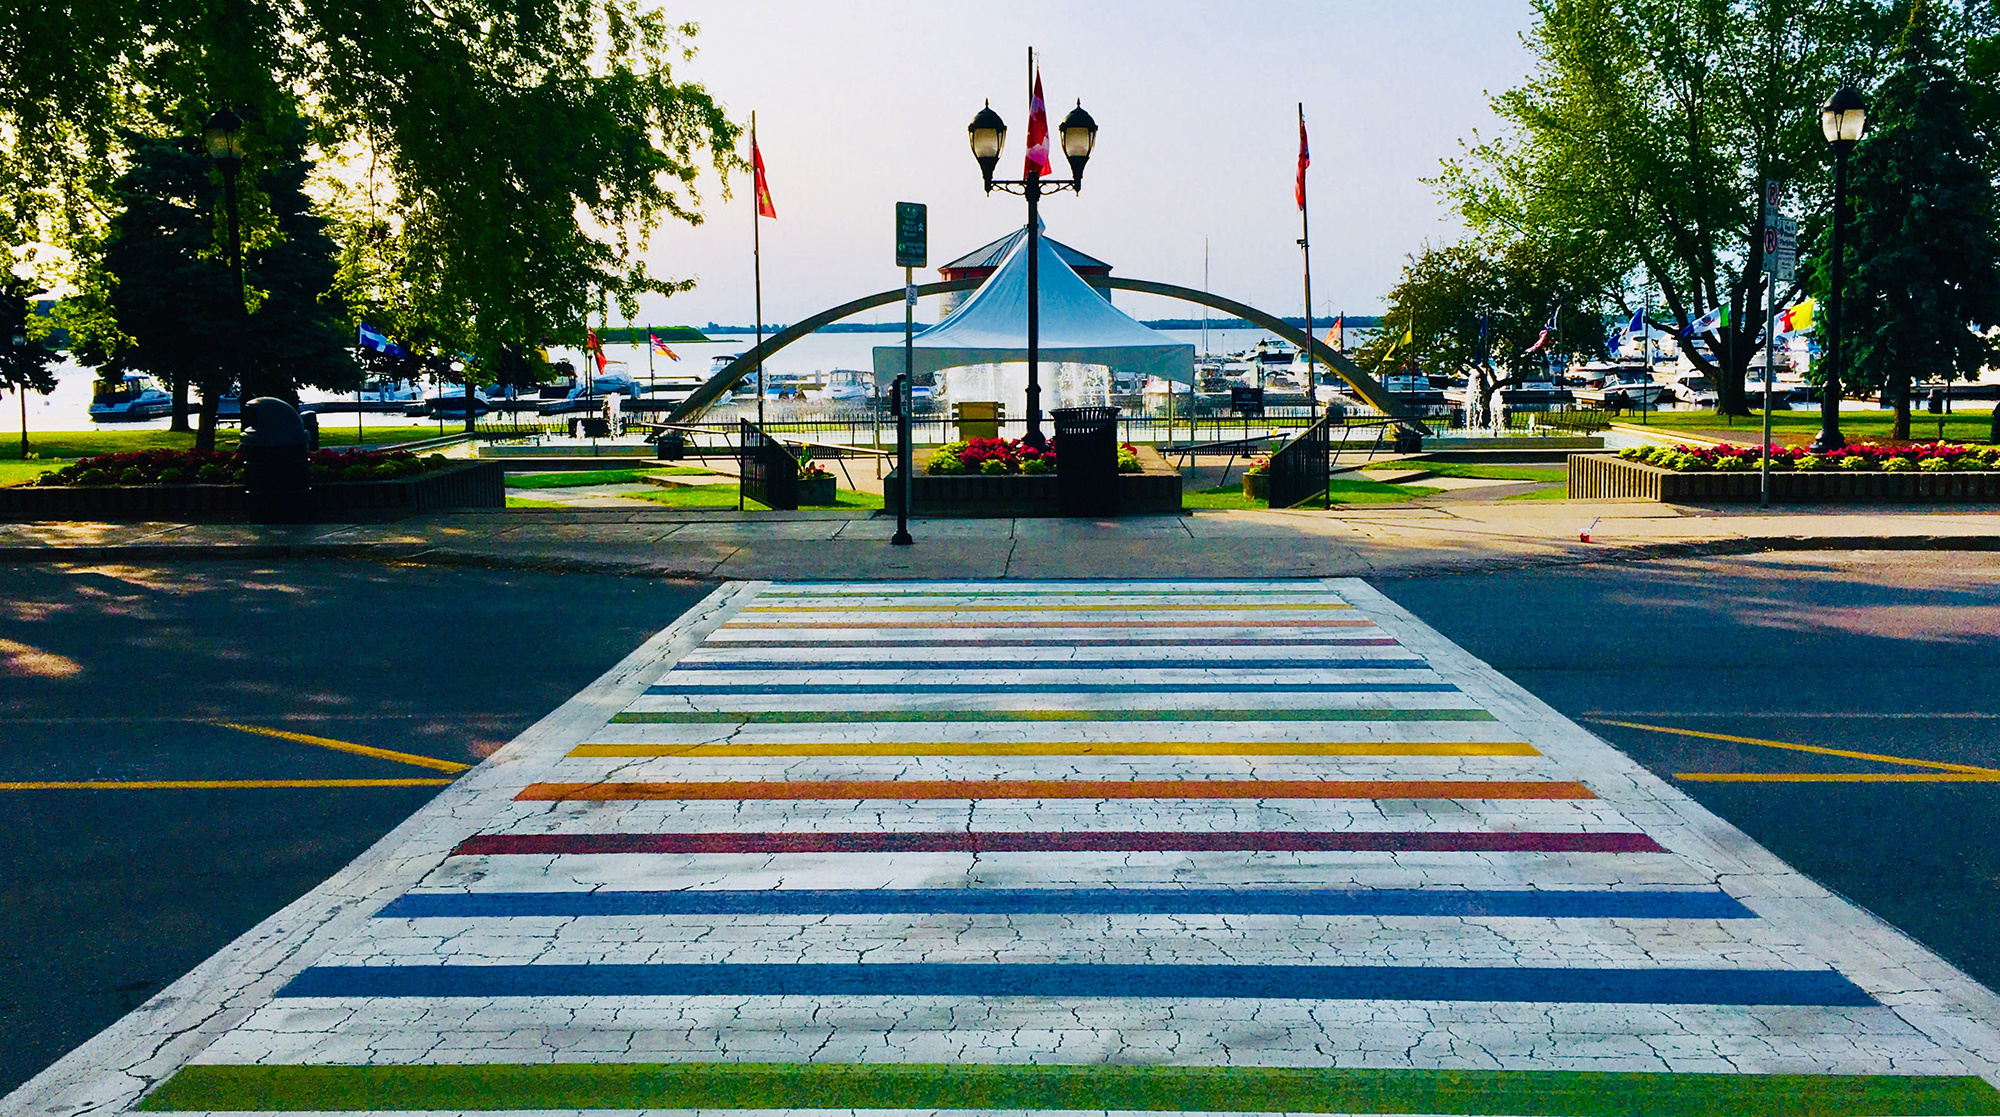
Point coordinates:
[(1073, 642), (1273, 841)]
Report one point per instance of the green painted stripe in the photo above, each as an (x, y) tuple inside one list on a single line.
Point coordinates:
[(1154, 1088), (769, 717)]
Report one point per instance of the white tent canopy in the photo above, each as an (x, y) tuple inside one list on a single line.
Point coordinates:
[(1078, 326)]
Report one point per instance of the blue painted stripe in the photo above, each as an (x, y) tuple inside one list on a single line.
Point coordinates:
[(932, 663), (942, 690), (1331, 983), (1519, 903)]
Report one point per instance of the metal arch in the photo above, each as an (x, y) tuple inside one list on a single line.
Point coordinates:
[(1364, 385), (705, 396)]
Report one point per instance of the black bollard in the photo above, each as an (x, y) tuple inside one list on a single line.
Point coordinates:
[(276, 483)]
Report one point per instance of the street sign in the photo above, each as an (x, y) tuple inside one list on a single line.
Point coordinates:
[(1781, 249), (912, 239), (1781, 236)]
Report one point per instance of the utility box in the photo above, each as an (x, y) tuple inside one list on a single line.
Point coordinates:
[(976, 419)]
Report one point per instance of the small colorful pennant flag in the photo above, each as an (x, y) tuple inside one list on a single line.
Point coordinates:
[(1548, 334), (1037, 164), (660, 347), (1797, 319), (764, 206), (1305, 160)]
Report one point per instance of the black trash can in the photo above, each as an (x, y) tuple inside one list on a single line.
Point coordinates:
[(274, 447), (1087, 460), (310, 420), (673, 446)]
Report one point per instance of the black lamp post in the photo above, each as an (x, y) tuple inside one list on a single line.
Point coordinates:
[(1842, 120), (1079, 135), (224, 137)]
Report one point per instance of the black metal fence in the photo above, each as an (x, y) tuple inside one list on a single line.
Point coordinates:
[(1087, 460), (769, 472), (1299, 469)]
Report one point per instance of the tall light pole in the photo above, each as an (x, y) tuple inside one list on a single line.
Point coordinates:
[(224, 137), (1079, 135), (1841, 120)]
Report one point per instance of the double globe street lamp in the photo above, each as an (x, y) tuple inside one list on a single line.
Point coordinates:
[(1842, 120), (223, 136), (989, 134)]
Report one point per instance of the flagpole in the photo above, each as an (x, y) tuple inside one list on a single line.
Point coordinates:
[(757, 266), (1305, 247)]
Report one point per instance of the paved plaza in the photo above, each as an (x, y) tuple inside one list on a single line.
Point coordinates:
[(1195, 846)]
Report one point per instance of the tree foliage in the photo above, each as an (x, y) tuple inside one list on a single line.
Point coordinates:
[(1642, 138), (1466, 305), (1923, 252), (497, 164)]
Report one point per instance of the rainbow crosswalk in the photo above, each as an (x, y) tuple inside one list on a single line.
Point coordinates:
[(1001, 847)]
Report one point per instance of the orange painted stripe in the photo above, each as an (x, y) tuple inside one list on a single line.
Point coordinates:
[(1061, 789)]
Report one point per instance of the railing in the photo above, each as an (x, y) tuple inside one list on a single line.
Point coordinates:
[(1299, 470), (766, 471)]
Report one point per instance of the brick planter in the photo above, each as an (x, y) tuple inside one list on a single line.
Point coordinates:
[(472, 485), (1603, 477), (1156, 489)]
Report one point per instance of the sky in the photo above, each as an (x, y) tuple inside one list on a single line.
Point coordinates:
[(863, 104)]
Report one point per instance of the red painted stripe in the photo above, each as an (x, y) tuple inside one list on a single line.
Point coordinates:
[(1102, 841), (1058, 789)]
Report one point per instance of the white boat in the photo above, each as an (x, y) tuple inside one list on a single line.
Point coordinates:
[(1693, 389), (848, 386), (130, 400), (385, 391)]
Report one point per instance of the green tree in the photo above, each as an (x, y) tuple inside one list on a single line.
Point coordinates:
[(1923, 255), (162, 303), (519, 151), (24, 360), (1468, 305), (1643, 137)]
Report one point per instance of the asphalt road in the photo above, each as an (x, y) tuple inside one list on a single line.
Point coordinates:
[(121, 673), (1888, 653)]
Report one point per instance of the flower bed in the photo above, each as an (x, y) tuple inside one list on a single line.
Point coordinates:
[(1928, 472), (1153, 486), (1929, 457), (1000, 457), (193, 485)]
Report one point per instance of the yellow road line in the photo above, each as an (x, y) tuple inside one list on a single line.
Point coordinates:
[(1875, 756), (1838, 777), (349, 746), (1072, 748), (206, 785)]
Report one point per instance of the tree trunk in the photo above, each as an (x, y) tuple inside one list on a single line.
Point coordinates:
[(211, 399), (1900, 392), (180, 419)]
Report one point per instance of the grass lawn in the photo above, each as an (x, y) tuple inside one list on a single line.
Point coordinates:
[(1343, 491), (530, 502), (82, 444), (1550, 473), (724, 496), (20, 473), (1972, 422), (1558, 492), (573, 479)]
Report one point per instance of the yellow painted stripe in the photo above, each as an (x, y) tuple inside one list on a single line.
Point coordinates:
[(349, 746), (206, 785), (1839, 777), (1025, 608), (1072, 748), (1815, 749)]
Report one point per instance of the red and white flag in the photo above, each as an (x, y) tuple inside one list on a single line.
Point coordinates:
[(1305, 160), (596, 349), (1336, 334), (1038, 165), (764, 206)]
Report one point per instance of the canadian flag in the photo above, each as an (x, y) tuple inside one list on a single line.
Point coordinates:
[(1038, 165), (596, 349)]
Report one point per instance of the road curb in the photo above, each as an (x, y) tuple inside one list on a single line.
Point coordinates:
[(1416, 561)]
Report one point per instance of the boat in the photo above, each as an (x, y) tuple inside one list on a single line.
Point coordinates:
[(133, 399), (449, 400), (849, 387), (1602, 381), (1693, 389)]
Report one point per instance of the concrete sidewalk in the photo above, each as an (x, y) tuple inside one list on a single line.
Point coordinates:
[(1353, 540)]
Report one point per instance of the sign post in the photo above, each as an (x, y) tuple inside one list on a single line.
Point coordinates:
[(912, 240), (1781, 264)]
